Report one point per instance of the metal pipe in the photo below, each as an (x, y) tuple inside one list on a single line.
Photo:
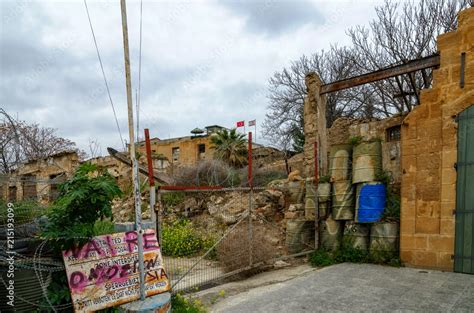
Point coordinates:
[(151, 179)]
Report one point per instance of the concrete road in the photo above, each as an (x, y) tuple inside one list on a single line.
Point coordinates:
[(359, 288)]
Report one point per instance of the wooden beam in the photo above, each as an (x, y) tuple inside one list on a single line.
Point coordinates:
[(396, 70)]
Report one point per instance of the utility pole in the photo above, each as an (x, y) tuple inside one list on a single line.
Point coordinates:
[(136, 185)]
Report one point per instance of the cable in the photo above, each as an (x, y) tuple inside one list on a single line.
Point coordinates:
[(103, 74)]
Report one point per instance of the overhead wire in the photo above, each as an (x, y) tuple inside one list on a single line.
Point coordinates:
[(103, 74)]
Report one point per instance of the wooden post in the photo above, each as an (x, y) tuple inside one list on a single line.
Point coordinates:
[(136, 184)]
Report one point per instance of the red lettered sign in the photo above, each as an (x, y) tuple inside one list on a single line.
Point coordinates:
[(104, 272)]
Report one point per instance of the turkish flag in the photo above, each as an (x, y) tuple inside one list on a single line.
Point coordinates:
[(241, 124)]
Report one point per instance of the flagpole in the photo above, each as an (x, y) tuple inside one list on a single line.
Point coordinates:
[(255, 131)]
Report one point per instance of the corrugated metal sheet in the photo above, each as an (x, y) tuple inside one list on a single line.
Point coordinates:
[(464, 241)]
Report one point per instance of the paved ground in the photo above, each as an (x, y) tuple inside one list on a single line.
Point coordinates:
[(358, 288)]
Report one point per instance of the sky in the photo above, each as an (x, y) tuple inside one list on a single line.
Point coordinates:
[(202, 62)]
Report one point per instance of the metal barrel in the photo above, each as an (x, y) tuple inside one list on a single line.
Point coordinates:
[(342, 200), (323, 210), (324, 197), (324, 192), (296, 191), (371, 199), (357, 235), (331, 233), (384, 237), (366, 161), (299, 235), (340, 162), (310, 201)]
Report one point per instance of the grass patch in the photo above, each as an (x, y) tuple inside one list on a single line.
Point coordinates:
[(347, 253), (180, 304), (181, 238)]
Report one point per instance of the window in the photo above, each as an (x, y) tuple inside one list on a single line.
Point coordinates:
[(12, 193), (175, 153), (29, 187), (394, 133), (201, 148)]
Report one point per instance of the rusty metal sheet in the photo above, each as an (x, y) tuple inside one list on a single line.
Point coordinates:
[(104, 272)]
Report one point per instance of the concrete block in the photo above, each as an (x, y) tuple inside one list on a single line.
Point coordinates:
[(406, 256), (445, 261), (427, 225), (449, 157), (447, 209), (407, 226), (425, 258), (441, 243), (447, 226), (158, 303), (448, 193)]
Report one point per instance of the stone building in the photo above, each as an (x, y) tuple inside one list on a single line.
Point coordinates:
[(181, 151), (38, 179)]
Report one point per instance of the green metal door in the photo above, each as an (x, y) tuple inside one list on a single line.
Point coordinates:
[(464, 238)]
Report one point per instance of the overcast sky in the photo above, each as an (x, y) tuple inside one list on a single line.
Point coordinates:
[(203, 62)]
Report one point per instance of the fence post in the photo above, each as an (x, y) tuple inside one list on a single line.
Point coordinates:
[(250, 184), (151, 179)]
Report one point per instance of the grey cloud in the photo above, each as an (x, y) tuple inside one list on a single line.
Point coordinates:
[(273, 17)]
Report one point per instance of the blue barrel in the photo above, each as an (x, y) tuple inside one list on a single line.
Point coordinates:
[(371, 202)]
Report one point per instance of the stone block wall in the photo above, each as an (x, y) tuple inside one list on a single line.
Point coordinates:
[(429, 152)]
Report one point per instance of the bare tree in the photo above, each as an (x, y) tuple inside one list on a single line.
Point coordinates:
[(20, 142), (401, 31)]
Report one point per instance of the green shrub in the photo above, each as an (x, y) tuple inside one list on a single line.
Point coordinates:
[(85, 198), (103, 227), (355, 140), (171, 199), (180, 304), (181, 239), (25, 211), (347, 253), (324, 179), (321, 258)]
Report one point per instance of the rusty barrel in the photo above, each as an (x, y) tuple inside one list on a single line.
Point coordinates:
[(342, 200), (357, 235), (310, 201), (324, 197), (366, 161), (340, 162), (299, 235), (331, 232), (384, 237)]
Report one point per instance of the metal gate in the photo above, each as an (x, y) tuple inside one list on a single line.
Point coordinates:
[(464, 238)]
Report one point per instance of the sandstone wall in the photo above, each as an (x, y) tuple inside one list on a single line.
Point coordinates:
[(314, 126), (429, 152)]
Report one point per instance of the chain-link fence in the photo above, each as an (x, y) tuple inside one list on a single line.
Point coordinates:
[(211, 235), (208, 236)]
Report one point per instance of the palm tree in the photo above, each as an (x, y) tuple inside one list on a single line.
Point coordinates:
[(230, 147)]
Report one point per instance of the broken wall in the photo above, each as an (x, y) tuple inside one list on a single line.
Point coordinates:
[(314, 126)]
